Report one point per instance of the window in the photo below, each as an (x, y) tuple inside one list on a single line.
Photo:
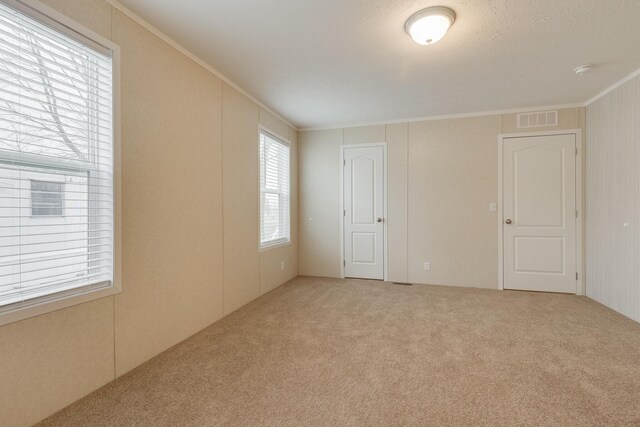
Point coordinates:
[(46, 198), (274, 191), (56, 160)]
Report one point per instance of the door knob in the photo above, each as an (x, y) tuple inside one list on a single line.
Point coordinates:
[(379, 220), (508, 221)]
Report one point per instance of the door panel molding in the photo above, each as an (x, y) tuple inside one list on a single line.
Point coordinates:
[(580, 283), (343, 207)]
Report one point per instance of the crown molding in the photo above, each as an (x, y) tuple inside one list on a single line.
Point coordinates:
[(137, 18), (483, 113), (613, 87), (448, 116)]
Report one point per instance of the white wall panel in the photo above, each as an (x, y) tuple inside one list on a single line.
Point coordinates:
[(613, 200)]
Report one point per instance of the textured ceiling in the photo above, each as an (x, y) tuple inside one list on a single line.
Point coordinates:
[(325, 63)]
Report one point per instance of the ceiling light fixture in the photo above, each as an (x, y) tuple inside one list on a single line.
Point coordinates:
[(429, 25), (583, 69)]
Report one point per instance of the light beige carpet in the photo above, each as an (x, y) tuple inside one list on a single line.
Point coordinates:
[(334, 352)]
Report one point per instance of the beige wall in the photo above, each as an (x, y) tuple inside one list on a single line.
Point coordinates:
[(453, 173), (442, 175), (189, 227), (171, 197), (613, 199), (319, 204)]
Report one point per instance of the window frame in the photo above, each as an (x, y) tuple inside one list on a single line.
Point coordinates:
[(64, 299), (282, 241)]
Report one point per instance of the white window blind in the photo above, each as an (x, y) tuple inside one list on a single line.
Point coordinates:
[(56, 160), (274, 191)]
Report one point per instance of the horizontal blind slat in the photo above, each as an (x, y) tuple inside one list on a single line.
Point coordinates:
[(53, 251), (7, 145), (59, 224), (69, 83), (102, 215), (18, 168), (54, 203), (19, 53), (55, 258), (107, 190), (55, 234), (63, 120), (9, 30), (30, 94), (4, 72), (49, 34), (30, 284), (20, 245), (25, 271)]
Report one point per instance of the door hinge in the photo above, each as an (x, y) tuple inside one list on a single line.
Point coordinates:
[(576, 276), (576, 151), (344, 263), (344, 163), (576, 213), (344, 213)]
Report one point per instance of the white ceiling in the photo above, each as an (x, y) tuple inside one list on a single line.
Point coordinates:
[(322, 63)]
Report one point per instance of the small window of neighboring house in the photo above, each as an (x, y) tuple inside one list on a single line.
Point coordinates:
[(47, 198)]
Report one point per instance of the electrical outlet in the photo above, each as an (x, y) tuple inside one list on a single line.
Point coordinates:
[(282, 265), (427, 266)]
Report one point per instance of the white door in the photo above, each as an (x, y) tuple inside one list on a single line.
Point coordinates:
[(363, 203), (539, 213)]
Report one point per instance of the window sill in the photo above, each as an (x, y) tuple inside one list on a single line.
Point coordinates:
[(275, 245), (54, 304)]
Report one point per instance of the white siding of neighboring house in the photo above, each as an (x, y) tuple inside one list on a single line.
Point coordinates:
[(38, 251)]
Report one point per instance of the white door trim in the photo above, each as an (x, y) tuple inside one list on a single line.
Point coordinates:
[(580, 283), (342, 207)]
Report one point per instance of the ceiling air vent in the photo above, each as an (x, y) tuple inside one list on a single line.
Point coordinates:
[(538, 119)]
